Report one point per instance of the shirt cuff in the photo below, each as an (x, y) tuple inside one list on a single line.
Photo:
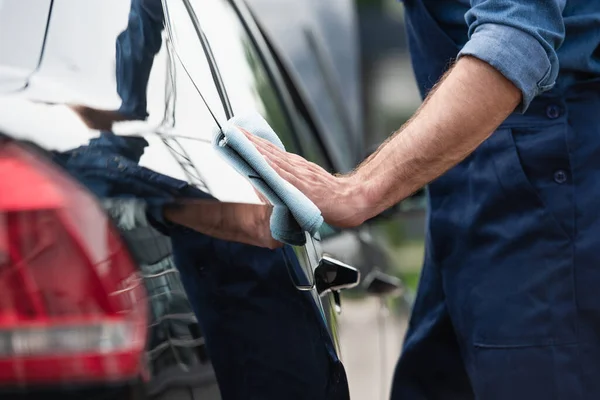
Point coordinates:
[(517, 55)]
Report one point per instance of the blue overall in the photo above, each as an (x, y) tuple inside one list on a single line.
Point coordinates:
[(266, 339), (508, 306)]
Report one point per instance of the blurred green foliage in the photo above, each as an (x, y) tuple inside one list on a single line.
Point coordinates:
[(406, 251), (405, 242)]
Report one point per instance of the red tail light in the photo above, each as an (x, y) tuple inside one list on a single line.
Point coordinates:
[(72, 305)]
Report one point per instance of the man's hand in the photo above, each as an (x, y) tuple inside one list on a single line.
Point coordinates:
[(468, 104), (335, 196)]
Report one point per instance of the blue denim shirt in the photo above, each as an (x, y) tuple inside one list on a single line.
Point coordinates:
[(535, 44)]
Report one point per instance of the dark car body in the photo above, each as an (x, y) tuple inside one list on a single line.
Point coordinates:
[(63, 53)]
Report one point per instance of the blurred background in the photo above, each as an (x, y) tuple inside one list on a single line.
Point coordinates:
[(390, 98), (371, 333)]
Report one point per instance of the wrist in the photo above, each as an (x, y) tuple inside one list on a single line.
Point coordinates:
[(358, 196)]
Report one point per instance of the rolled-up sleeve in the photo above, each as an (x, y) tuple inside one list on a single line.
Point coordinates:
[(519, 38)]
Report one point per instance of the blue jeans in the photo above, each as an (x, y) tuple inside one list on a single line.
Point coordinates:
[(266, 339)]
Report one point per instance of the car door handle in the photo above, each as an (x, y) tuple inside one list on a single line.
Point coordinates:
[(332, 275)]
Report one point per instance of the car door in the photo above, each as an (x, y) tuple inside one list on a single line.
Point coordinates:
[(187, 97), (251, 82)]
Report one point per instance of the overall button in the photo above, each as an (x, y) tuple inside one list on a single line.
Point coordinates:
[(560, 176), (553, 111)]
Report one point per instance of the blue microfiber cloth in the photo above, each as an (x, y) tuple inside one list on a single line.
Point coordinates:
[(293, 213)]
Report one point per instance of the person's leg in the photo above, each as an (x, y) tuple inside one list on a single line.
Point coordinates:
[(430, 366)]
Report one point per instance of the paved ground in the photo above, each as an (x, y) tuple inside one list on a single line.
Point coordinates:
[(371, 343)]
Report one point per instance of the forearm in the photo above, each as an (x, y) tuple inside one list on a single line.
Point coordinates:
[(466, 107), (235, 222)]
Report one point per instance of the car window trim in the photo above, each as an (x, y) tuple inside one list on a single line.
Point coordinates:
[(215, 74), (319, 129), (243, 15), (300, 105), (218, 80), (327, 72), (255, 36)]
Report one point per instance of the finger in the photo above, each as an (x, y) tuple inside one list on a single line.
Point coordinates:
[(300, 161), (258, 140), (270, 149), (287, 175), (296, 165), (282, 165), (278, 156), (305, 165), (288, 161), (266, 147)]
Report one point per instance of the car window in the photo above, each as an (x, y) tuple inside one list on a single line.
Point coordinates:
[(190, 52), (312, 149), (198, 104), (245, 77)]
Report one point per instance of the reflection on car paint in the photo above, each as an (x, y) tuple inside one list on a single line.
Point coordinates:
[(142, 144)]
